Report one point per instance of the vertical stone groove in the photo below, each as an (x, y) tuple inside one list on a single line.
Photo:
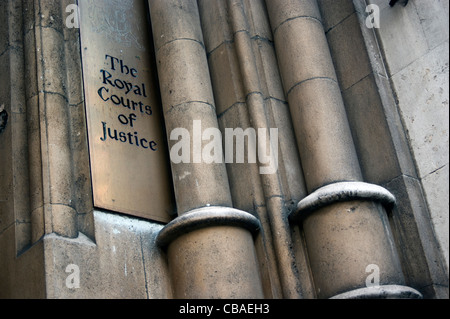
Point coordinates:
[(33, 120), (258, 114)]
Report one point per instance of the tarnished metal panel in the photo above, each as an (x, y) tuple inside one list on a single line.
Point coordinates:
[(128, 152)]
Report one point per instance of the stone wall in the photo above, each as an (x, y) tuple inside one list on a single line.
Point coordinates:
[(415, 42)]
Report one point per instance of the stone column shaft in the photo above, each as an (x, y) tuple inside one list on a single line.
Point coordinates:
[(346, 228), (209, 246), (187, 96), (309, 78)]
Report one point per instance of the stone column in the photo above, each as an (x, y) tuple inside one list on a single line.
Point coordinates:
[(346, 227), (209, 246)]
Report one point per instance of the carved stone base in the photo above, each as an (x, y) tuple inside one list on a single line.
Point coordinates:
[(211, 254), (339, 192), (206, 217)]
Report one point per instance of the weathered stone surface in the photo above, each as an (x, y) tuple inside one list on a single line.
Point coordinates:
[(422, 92), (424, 103), (182, 23), (348, 51), (194, 70), (434, 19), (353, 235), (422, 261), (225, 75), (335, 12), (370, 131), (282, 12), (402, 36), (219, 259), (310, 52), (22, 276), (414, 40), (326, 148), (216, 31), (122, 263), (436, 192), (5, 144), (4, 36)]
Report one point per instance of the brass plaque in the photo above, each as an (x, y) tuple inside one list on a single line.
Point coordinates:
[(128, 152)]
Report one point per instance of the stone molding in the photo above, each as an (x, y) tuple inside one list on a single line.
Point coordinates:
[(339, 192), (381, 292), (207, 217)]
